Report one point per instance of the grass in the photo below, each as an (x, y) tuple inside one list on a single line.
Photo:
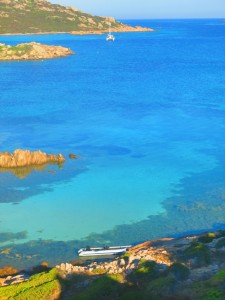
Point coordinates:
[(18, 50), (40, 286), (153, 285)]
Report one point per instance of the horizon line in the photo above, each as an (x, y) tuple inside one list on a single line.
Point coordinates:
[(176, 18)]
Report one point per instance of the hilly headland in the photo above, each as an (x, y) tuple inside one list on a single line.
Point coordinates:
[(41, 16)]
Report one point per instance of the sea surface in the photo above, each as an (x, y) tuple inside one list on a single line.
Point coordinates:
[(145, 115)]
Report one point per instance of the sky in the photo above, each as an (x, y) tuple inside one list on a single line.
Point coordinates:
[(145, 9)]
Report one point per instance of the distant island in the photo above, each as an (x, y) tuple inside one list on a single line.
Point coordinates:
[(32, 51), (41, 16)]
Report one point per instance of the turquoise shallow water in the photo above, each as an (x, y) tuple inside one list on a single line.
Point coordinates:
[(146, 117)]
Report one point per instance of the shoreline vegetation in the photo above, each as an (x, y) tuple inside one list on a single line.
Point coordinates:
[(191, 267)]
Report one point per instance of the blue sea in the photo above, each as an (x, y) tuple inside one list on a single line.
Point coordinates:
[(146, 117)]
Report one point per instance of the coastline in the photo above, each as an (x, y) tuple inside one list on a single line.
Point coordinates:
[(194, 209), (88, 32), (124, 28), (168, 267)]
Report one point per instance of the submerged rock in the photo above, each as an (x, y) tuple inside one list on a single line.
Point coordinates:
[(73, 156), (22, 158)]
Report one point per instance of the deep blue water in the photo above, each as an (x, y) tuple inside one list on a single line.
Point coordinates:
[(145, 115)]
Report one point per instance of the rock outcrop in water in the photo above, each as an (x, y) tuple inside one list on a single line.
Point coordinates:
[(22, 158), (32, 51)]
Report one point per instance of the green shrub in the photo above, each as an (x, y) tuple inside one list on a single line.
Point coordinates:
[(207, 238), (179, 271), (214, 294), (158, 288), (145, 272), (133, 294), (220, 243), (212, 289), (105, 287), (99, 271), (221, 233), (220, 275), (125, 255), (198, 251)]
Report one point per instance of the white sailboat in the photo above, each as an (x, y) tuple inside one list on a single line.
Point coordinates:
[(110, 37)]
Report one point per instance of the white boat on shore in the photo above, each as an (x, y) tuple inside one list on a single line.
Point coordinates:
[(103, 251)]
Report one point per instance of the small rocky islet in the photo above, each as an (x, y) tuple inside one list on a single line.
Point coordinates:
[(43, 17), (32, 51), (21, 158), (190, 267), (22, 163)]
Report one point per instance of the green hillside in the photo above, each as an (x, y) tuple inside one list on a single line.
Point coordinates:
[(33, 16)]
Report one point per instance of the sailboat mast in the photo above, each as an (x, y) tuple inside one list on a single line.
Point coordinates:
[(109, 28)]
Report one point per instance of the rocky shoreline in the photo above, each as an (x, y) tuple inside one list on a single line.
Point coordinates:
[(124, 28), (169, 268), (163, 252), (32, 51)]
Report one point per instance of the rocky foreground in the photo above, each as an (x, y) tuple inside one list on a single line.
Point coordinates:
[(172, 269), (202, 255), (22, 158), (32, 51)]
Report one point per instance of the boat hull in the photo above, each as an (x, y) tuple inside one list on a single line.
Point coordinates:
[(102, 251), (110, 38)]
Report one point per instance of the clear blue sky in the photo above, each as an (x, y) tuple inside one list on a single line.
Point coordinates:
[(125, 9)]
